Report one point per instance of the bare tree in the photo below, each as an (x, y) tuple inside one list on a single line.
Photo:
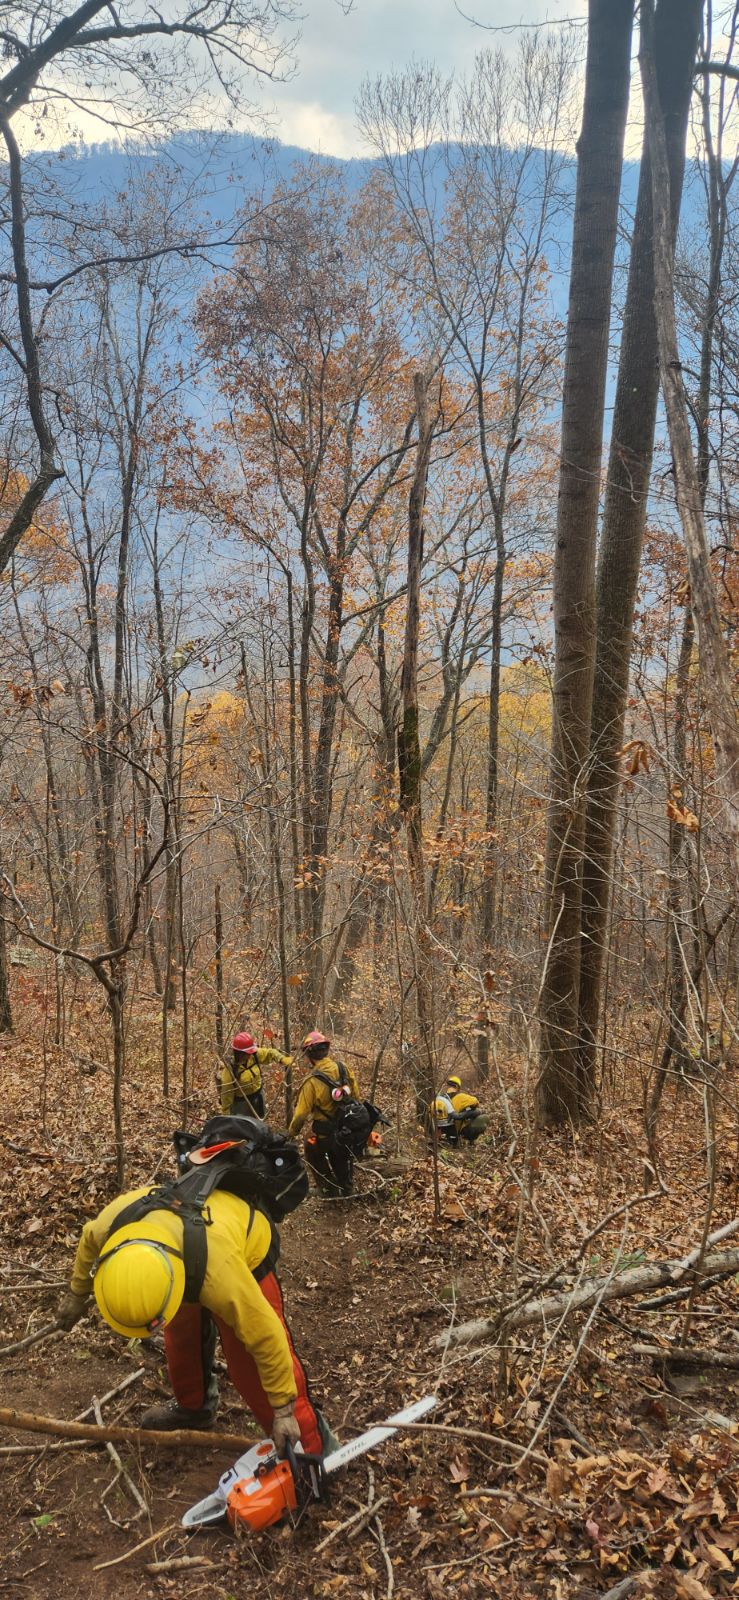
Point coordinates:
[(475, 167), (409, 756), (128, 66), (600, 158), (716, 674), (627, 490)]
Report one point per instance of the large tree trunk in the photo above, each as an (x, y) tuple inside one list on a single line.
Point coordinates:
[(409, 761), (629, 470), (600, 159), (715, 665)]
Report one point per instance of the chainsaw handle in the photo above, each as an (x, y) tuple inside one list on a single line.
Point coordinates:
[(309, 1476)]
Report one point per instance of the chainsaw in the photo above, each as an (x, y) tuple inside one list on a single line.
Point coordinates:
[(260, 1488)]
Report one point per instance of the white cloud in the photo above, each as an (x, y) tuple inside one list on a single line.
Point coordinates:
[(338, 50), (313, 127)]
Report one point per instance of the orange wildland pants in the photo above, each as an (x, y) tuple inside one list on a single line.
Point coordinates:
[(189, 1351)]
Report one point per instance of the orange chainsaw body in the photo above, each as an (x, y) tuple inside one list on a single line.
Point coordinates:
[(262, 1499)]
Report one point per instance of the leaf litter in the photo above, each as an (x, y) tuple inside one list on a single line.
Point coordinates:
[(624, 1479)]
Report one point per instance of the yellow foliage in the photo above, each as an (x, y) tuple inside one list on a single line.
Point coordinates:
[(525, 705)]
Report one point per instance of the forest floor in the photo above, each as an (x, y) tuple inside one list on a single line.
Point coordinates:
[(624, 1477)]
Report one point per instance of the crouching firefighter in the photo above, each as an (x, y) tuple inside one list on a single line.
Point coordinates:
[(191, 1257), (458, 1115), (242, 1090), (342, 1121)]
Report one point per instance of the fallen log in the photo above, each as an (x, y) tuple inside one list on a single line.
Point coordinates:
[(31, 1338), (679, 1294), (29, 1422), (688, 1355), (592, 1291), (180, 1564)]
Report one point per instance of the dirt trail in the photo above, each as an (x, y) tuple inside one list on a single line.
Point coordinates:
[(348, 1295)]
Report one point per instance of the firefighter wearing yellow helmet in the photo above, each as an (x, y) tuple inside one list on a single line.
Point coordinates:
[(141, 1273), (458, 1115), (139, 1280)]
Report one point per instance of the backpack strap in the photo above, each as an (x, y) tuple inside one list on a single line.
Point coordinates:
[(195, 1250), (342, 1082), (323, 1077)]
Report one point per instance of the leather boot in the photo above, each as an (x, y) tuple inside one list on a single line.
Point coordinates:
[(169, 1415)]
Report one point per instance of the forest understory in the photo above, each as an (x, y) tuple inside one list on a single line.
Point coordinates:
[(563, 1463)]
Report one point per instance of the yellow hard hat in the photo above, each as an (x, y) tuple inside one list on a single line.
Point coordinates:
[(454, 1083), (139, 1279)]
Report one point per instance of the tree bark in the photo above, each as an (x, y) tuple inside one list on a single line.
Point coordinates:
[(321, 787), (218, 931), (487, 920), (409, 759), (600, 159), (29, 1422), (715, 665), (677, 26), (6, 1010)]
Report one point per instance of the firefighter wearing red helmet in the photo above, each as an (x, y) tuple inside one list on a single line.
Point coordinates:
[(242, 1092), (321, 1096)]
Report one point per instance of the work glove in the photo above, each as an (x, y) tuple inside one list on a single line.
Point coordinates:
[(285, 1428), (71, 1307)]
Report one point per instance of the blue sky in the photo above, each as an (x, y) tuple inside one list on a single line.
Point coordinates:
[(338, 50)]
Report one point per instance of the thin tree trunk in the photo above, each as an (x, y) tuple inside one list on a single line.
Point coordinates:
[(276, 855), (370, 894), (321, 788), (170, 880), (715, 666), (6, 1011), (47, 472), (600, 160), (218, 931), (629, 470), (491, 797), (409, 761), (293, 745), (115, 997), (678, 862), (446, 797), (676, 1022)]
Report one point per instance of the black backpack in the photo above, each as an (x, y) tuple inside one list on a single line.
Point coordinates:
[(261, 1167), (353, 1120)]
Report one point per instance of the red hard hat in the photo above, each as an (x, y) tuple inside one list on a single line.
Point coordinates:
[(313, 1039), (243, 1041)]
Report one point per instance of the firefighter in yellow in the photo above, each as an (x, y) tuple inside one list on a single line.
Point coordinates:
[(323, 1096), (457, 1115), (144, 1277), (242, 1092)]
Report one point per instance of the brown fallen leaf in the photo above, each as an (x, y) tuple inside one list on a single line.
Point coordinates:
[(459, 1467), (692, 1587), (718, 1559), (555, 1480), (590, 1464)]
